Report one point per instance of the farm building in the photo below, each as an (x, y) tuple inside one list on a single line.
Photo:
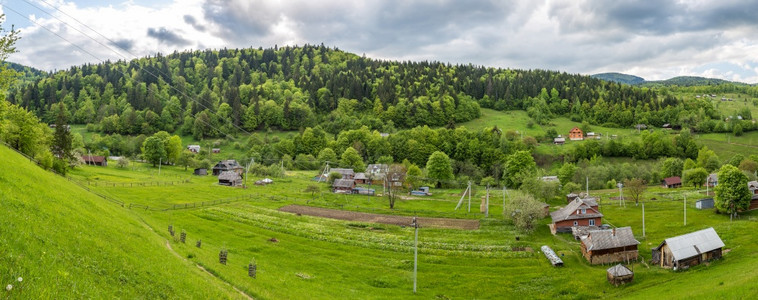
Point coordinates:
[(193, 148), (610, 246), (377, 170), (363, 191), (712, 180), (688, 250), (619, 274), (343, 186), (200, 171), (580, 212), (216, 150), (95, 160), (396, 179), (346, 173), (705, 203), (549, 178), (559, 141), (360, 178), (229, 178), (672, 182), (227, 165), (753, 202), (576, 134), (753, 186), (571, 197)]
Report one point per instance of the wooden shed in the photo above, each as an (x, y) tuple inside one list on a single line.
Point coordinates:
[(229, 178), (201, 171), (610, 246), (95, 160), (619, 274), (688, 250), (672, 182)]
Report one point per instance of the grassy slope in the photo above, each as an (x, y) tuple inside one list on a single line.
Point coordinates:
[(67, 243)]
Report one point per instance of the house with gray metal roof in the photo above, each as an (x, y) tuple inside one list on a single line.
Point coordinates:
[(688, 250), (610, 246)]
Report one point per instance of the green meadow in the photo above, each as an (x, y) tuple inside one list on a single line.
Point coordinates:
[(115, 251)]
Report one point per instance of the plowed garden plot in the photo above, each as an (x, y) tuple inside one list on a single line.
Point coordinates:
[(384, 219)]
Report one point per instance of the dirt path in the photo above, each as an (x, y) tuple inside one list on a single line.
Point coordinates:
[(168, 245), (384, 219)]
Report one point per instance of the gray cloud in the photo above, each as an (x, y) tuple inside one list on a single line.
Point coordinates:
[(125, 44), (192, 21), (168, 37)]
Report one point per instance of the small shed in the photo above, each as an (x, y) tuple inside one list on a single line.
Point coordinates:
[(95, 160), (201, 171), (672, 182), (704, 203), (619, 274), (688, 250), (216, 150), (559, 141), (229, 178), (360, 178), (193, 148), (712, 180), (343, 186)]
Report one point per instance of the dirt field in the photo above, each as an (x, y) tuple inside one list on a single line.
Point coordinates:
[(384, 219)]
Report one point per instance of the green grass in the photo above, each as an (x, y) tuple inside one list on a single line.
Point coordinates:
[(326, 258), (67, 243)]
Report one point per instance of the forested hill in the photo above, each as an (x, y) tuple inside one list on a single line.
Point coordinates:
[(620, 78), (212, 92), (691, 81)]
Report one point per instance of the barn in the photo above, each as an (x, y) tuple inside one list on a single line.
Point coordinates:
[(229, 178), (201, 171), (343, 186), (610, 246), (227, 165), (672, 182), (95, 160), (684, 251)]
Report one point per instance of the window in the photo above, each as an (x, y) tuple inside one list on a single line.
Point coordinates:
[(592, 222), (576, 223), (584, 210)]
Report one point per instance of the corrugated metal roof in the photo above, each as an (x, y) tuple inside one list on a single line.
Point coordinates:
[(692, 244)]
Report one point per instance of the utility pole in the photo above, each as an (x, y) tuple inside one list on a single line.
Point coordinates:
[(247, 170), (643, 219), (487, 203), (587, 185), (685, 210), (415, 254), (504, 191), (469, 196), (160, 162)]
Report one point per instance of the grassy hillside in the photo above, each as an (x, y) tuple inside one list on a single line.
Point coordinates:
[(66, 243)]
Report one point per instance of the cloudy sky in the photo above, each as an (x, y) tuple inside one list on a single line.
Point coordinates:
[(652, 39)]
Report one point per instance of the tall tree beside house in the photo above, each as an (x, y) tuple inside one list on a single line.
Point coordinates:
[(153, 150), (351, 159), (695, 177), (438, 168), (732, 193), (393, 190)]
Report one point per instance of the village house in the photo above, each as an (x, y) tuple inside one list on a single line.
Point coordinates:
[(193, 148), (571, 197), (688, 250), (672, 182), (753, 186), (216, 150), (377, 171), (580, 212), (712, 180), (576, 134), (343, 186), (559, 141), (360, 178), (229, 178), (610, 246), (346, 173), (95, 160), (227, 165)]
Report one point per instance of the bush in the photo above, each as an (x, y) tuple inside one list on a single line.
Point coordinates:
[(523, 210)]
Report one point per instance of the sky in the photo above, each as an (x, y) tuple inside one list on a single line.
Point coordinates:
[(651, 39)]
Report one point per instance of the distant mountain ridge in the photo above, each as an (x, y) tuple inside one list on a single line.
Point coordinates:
[(679, 80)]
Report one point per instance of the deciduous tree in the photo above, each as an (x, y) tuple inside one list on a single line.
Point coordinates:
[(732, 193)]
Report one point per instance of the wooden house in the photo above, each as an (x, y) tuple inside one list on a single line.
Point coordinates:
[(712, 180), (576, 134), (95, 160), (688, 250), (346, 173), (610, 246), (672, 182), (559, 141), (227, 165), (229, 178), (377, 171), (753, 186), (360, 178), (571, 197), (619, 274), (193, 148), (343, 186), (200, 171), (580, 212)]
